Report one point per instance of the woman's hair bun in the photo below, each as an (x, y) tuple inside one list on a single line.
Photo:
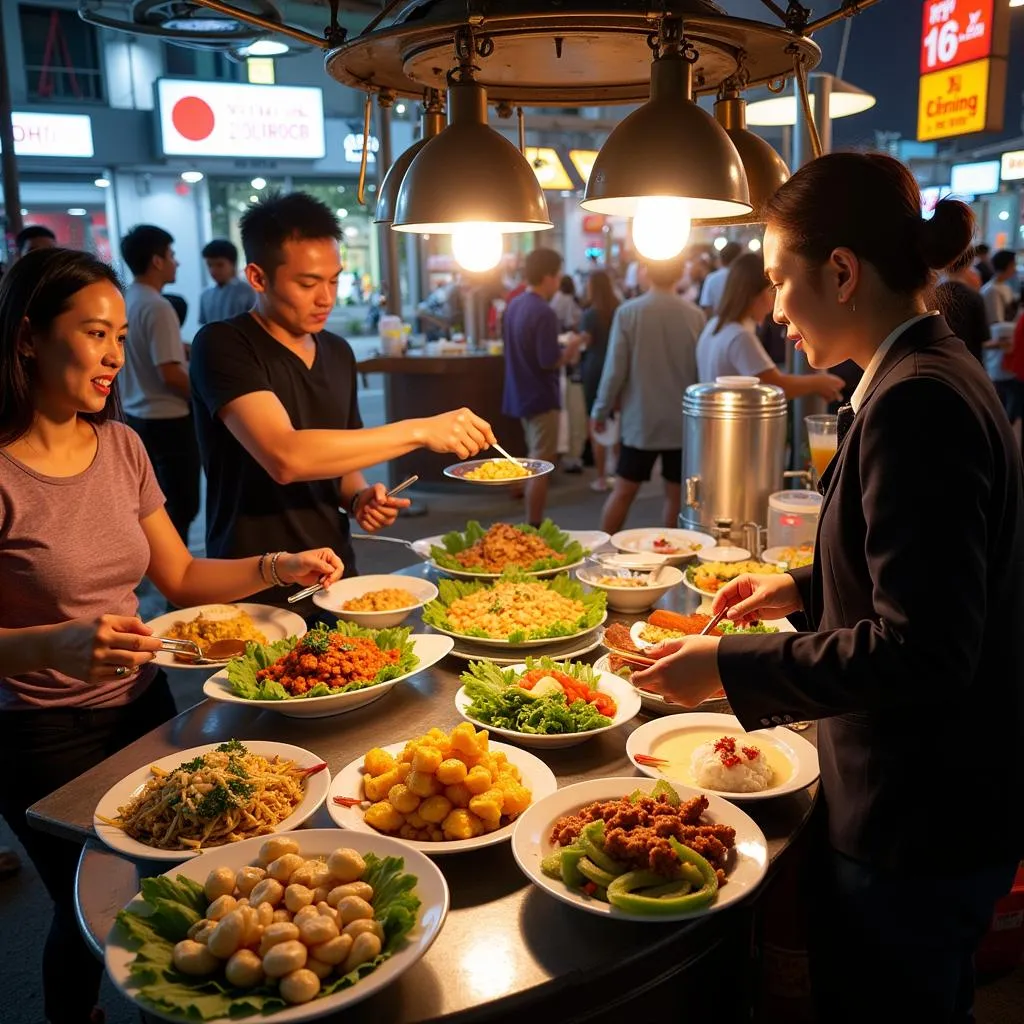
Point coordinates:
[(949, 233)]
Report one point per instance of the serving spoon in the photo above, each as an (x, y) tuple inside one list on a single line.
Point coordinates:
[(191, 653)]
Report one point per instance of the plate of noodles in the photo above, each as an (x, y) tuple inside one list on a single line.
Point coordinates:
[(255, 623), (187, 802), (498, 472)]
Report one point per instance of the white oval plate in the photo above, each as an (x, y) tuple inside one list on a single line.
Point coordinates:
[(430, 649), (431, 888), (642, 541), (535, 467), (337, 594), (800, 753), (748, 862), (537, 777), (423, 546), (635, 631), (273, 623), (626, 696), (557, 651), (121, 792), (487, 641)]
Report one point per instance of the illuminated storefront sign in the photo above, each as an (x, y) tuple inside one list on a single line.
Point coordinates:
[(963, 68), (65, 135), (977, 179), (1013, 165), (225, 119), (548, 168), (583, 161)]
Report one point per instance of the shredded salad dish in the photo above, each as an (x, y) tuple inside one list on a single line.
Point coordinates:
[(322, 662), (503, 547), (515, 609)]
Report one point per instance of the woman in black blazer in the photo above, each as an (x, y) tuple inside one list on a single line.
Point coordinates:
[(915, 668)]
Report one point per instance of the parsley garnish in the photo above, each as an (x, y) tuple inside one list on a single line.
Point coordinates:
[(237, 768), (317, 641), (194, 765), (241, 789), (232, 747), (215, 803)]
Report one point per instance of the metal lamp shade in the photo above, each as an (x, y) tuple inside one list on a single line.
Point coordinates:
[(469, 174), (766, 171), (669, 147), (387, 194)]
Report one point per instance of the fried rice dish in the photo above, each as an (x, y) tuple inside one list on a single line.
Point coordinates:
[(204, 629), (510, 607), (387, 600), (504, 547)]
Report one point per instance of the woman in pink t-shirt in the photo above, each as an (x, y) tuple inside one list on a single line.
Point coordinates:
[(82, 520)]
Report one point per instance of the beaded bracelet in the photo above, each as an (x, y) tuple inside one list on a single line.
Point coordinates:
[(273, 569)]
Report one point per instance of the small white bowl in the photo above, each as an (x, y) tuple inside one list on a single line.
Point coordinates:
[(337, 594), (723, 553), (632, 600)]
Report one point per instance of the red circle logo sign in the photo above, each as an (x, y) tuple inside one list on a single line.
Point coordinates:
[(193, 118)]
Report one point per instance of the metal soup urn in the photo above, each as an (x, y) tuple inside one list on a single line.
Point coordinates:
[(734, 448)]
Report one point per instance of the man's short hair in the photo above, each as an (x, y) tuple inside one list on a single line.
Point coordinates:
[(268, 224), (1003, 260), (141, 244), (31, 232), (541, 263), (221, 249), (981, 249)]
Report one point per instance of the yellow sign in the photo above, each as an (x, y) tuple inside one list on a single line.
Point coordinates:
[(583, 161), (548, 168), (260, 70), (962, 100)]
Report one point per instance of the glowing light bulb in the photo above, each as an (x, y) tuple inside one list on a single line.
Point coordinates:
[(754, 245), (477, 247), (661, 226)]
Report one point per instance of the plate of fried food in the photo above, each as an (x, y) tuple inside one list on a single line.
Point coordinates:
[(637, 849), (242, 931), (515, 611), (498, 472), (209, 623), (209, 796), (326, 671), (476, 553), (441, 792), (663, 624), (376, 602)]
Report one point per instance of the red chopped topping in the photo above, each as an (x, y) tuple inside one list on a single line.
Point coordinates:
[(751, 753), (730, 760), (726, 750)]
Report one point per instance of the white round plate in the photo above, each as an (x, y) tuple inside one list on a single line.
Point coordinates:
[(557, 651), (121, 793), (652, 702), (723, 553), (748, 861), (642, 541), (537, 777), (774, 555), (337, 594), (801, 754), (536, 467), (273, 623), (636, 630), (431, 888), (429, 647), (487, 641), (626, 697), (586, 538)]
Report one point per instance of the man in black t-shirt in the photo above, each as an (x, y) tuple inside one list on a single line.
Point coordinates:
[(276, 413)]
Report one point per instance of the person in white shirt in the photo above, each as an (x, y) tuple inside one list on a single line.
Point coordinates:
[(1000, 312), (714, 284), (729, 345)]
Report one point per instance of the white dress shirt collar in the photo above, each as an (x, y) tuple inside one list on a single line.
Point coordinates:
[(857, 398)]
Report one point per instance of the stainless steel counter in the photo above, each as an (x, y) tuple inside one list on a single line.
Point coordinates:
[(506, 945)]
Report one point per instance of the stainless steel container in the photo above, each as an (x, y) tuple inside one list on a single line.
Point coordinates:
[(734, 447)]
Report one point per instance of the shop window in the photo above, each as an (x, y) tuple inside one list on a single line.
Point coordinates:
[(202, 65), (62, 56)]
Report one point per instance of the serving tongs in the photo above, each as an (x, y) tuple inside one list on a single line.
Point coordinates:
[(189, 651)]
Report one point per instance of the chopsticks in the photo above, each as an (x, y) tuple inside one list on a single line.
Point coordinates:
[(712, 623), (301, 595), (631, 659)]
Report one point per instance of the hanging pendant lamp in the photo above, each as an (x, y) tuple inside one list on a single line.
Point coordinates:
[(669, 161), (432, 123), (766, 171), (469, 181)]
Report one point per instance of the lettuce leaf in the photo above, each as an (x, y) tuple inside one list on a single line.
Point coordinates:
[(158, 985), (569, 551), (242, 671), (435, 613), (497, 699)]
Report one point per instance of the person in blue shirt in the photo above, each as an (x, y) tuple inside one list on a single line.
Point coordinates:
[(229, 295)]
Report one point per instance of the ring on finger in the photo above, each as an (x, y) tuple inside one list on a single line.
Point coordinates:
[(121, 671)]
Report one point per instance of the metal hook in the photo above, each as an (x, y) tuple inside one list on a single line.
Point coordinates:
[(521, 119), (805, 102)]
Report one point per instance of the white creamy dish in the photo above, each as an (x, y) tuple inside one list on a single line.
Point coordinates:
[(729, 762)]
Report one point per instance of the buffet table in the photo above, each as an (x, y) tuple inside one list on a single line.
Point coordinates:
[(422, 385), (506, 947)]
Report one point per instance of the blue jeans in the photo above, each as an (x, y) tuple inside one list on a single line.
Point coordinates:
[(900, 946)]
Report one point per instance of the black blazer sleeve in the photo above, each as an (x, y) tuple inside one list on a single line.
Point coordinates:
[(923, 473)]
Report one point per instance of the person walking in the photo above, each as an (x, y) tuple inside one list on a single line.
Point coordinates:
[(906, 676), (156, 386), (714, 284), (229, 295), (595, 327), (652, 360), (533, 366), (957, 298)]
